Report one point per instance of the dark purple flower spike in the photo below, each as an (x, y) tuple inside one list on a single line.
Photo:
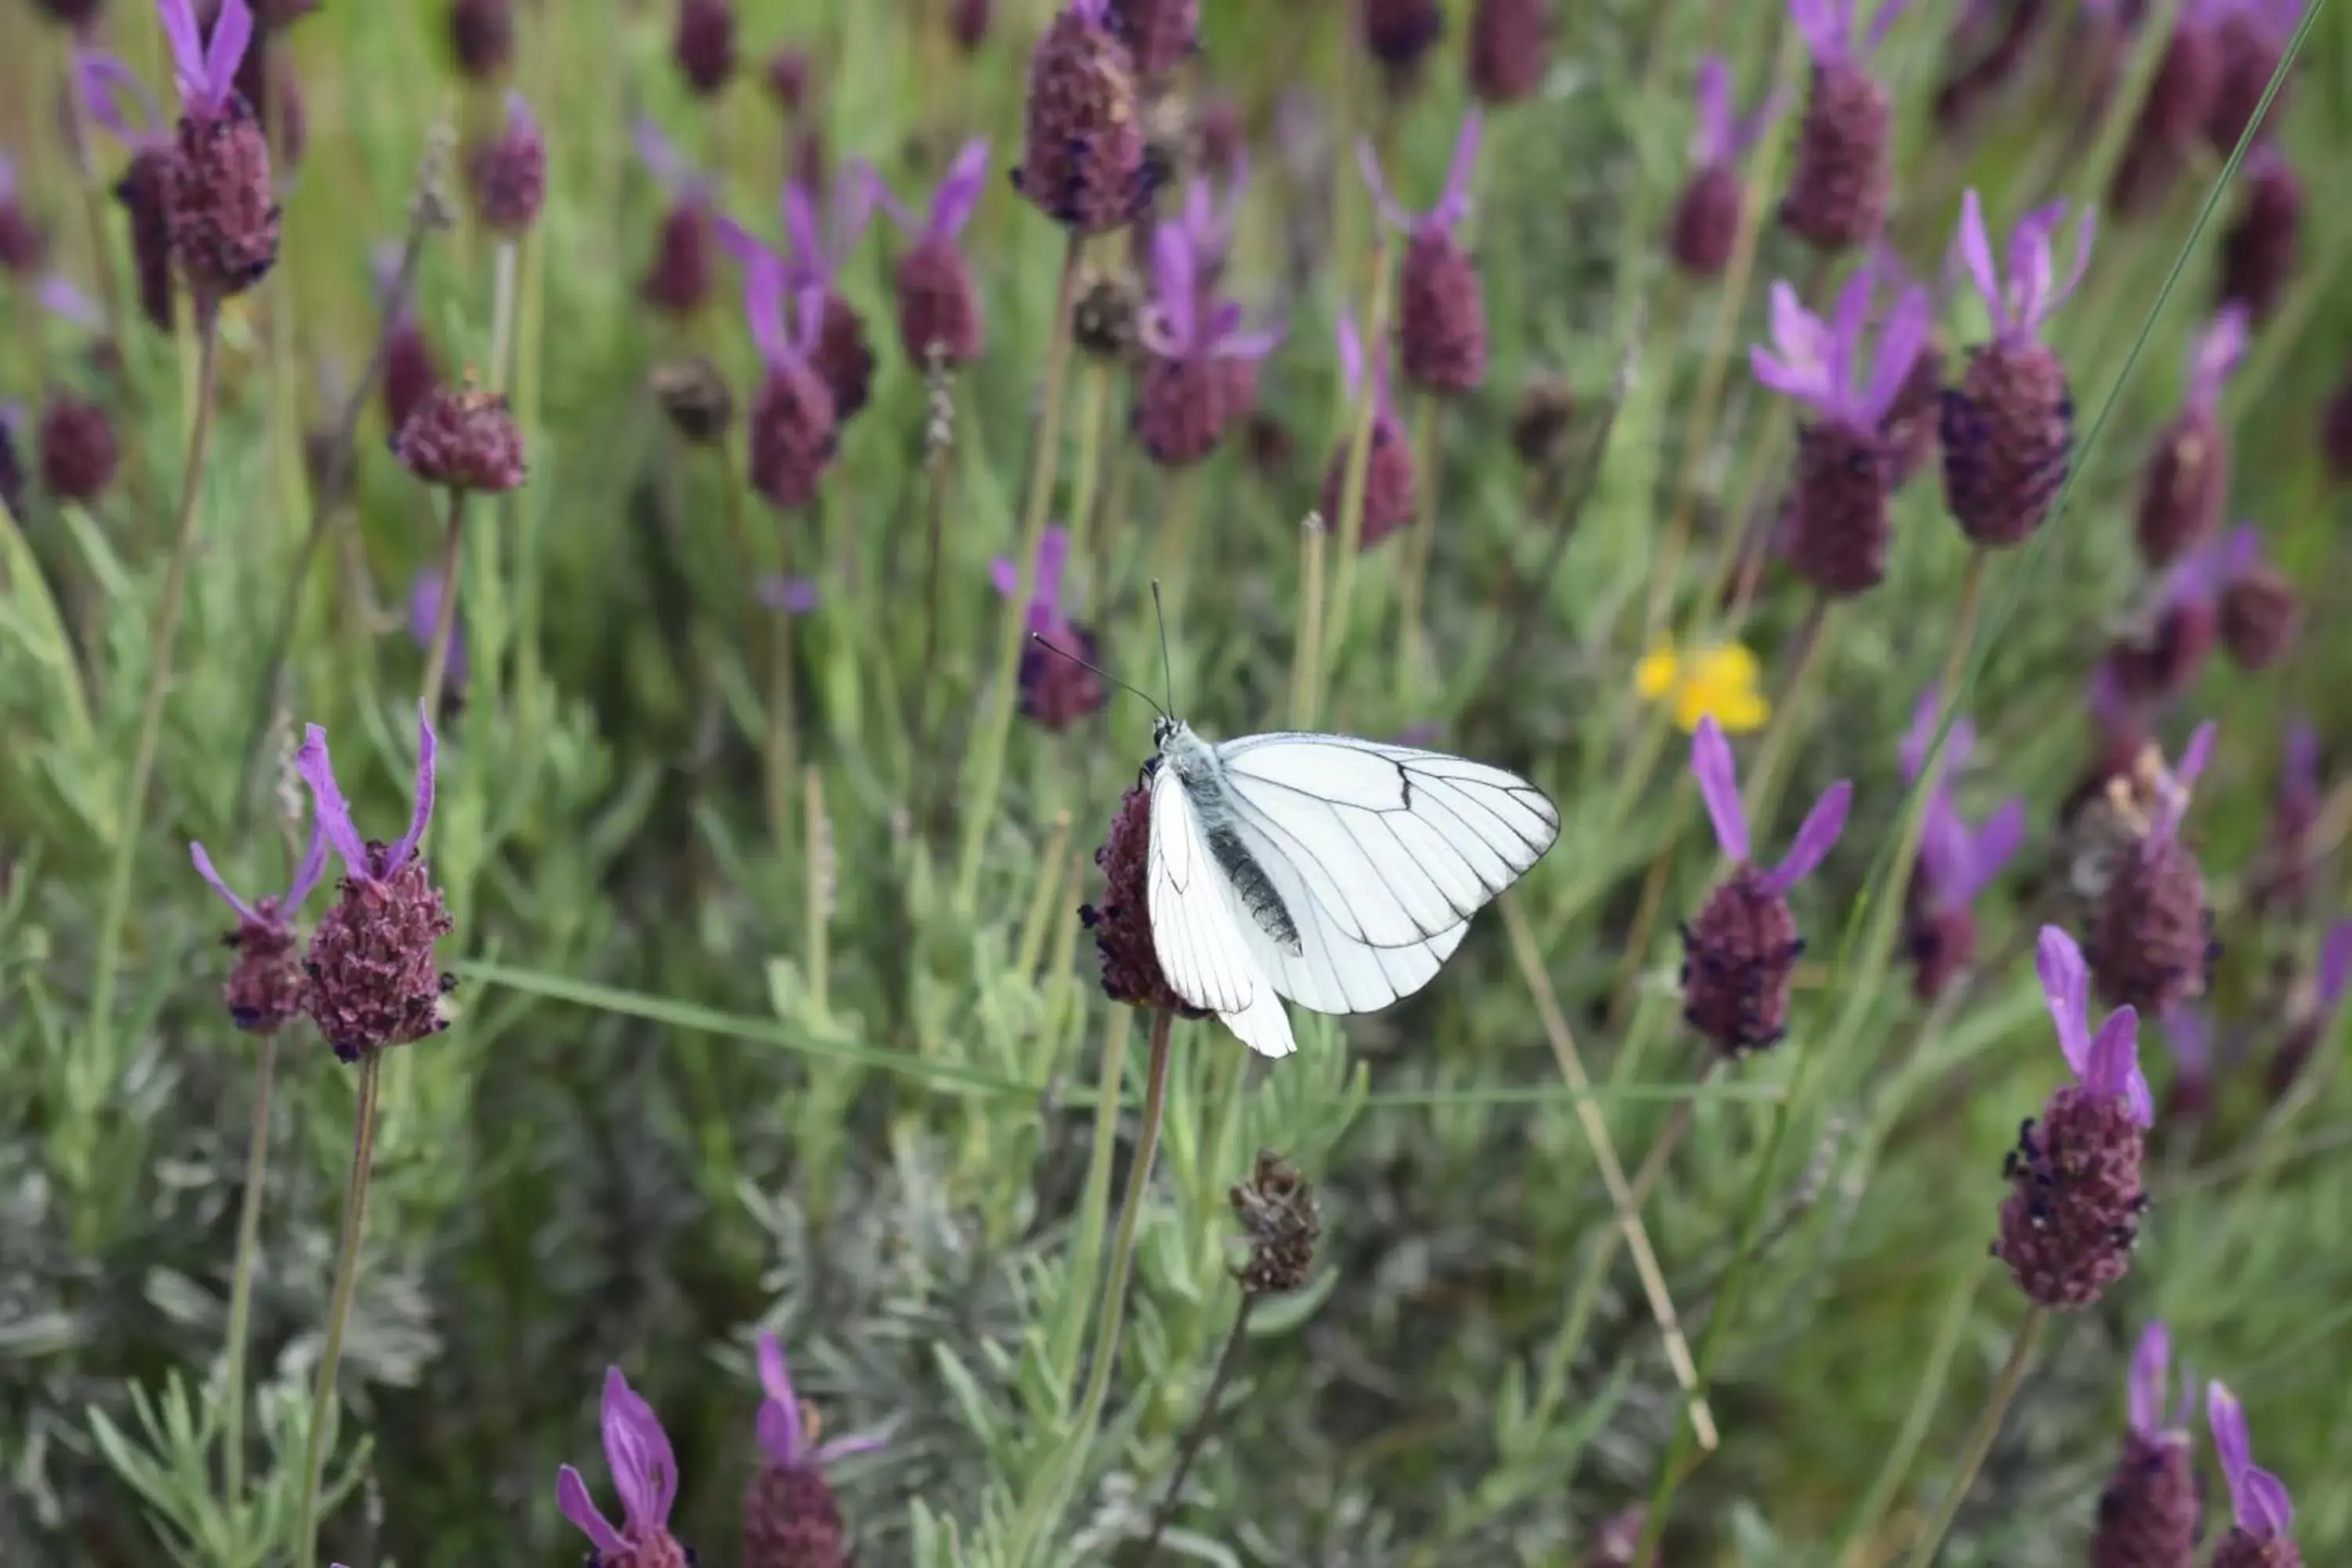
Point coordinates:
[(645, 1473), (2073, 1214), (819, 245), (2258, 253), (263, 989), (793, 430), (2151, 935), (938, 308), (1057, 690), (1838, 185), (1202, 372), (2009, 426), (24, 245), (1441, 304), (1740, 952), (1957, 861), (220, 202), (2263, 1512), (1509, 49), (2256, 608), (1838, 527), (509, 172), (1084, 159), (1390, 483), (1714, 202), (116, 100), (373, 981), (678, 279), (2148, 1511), (2188, 480)]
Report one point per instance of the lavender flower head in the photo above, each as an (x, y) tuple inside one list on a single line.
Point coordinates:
[(819, 245), (1839, 187), (788, 1429), (1837, 526), (1957, 861), (1390, 484), (1057, 690), (2150, 938), (793, 430), (2009, 426), (1201, 372), (1714, 202), (2295, 811), (373, 983), (2189, 474), (116, 100), (1084, 161), (939, 309), (508, 173), (645, 1472), (2148, 1511), (2159, 660), (22, 244), (265, 985), (1441, 304), (1740, 952), (678, 279), (219, 201), (2257, 606), (2264, 1513)]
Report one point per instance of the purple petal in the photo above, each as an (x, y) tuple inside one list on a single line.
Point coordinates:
[(660, 156), (1382, 203), (2266, 1499), (1052, 550), (1719, 786), (2334, 964), (318, 770), (116, 98), (2150, 1363), (571, 1498), (901, 217), (2218, 350), (1976, 253), (853, 209), (644, 1468), (776, 1380), (1826, 26), (429, 748), (848, 1447), (803, 233), (1881, 24), (187, 41), (1711, 138), (2302, 758), (1351, 356), (1453, 201), (763, 304), (306, 875), (232, 32), (2115, 1065), (204, 863), (1995, 843), (1944, 851), (1005, 575), (1802, 383), (2195, 756), (1254, 345), (778, 1427), (2189, 1037), (792, 595), (2066, 987), (521, 120), (739, 242), (808, 319), (2228, 1419), (959, 195), (60, 298), (1174, 279), (2087, 228), (1899, 342), (1816, 836), (1848, 317)]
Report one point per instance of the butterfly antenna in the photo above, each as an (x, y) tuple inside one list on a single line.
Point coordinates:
[(1167, 670), (1051, 647)]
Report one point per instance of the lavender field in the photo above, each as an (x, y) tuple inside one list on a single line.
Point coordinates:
[(590, 968)]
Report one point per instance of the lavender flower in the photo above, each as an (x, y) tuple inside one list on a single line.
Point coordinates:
[(2173, 115), (1508, 50), (2257, 609), (939, 309), (373, 981), (1202, 367), (791, 1518), (116, 100), (1714, 203), (462, 438), (79, 454), (2148, 1511), (2009, 426), (1056, 691), (219, 201), (704, 44), (678, 279), (1838, 524), (425, 592), (1739, 954), (1441, 304), (2258, 253), (645, 1472), (793, 433), (1844, 162), (1083, 159), (2311, 1009), (2189, 474), (2252, 39), (2150, 667), (2294, 815), (2073, 1213), (481, 36), (1161, 33), (1390, 483), (819, 246), (2264, 1511), (1397, 33), (411, 370), (264, 991), (508, 173), (1957, 862), (2188, 1041), (22, 244), (2151, 935)]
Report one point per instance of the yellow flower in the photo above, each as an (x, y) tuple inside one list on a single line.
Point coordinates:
[(1718, 681)]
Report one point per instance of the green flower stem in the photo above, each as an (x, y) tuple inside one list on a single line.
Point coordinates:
[(1980, 1440), (817, 859), (131, 817), (1803, 671), (1094, 407), (1228, 1361), (1088, 1248), (1045, 1501), (339, 1313), (240, 1289), (1604, 1155), (988, 764), (1314, 550), (445, 614), (1413, 642), (1933, 1376)]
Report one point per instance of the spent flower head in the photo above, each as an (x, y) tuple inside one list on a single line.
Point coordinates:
[(265, 985), (645, 1473)]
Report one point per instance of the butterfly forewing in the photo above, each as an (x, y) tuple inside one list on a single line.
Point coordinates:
[(1197, 929)]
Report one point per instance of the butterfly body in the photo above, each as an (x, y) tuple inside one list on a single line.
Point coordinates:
[(1336, 872)]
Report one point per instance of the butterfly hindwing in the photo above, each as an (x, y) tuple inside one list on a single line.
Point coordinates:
[(1198, 931)]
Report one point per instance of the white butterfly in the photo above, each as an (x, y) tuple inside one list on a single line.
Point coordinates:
[(1338, 872)]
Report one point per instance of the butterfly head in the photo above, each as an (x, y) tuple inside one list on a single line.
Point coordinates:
[(1165, 728)]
